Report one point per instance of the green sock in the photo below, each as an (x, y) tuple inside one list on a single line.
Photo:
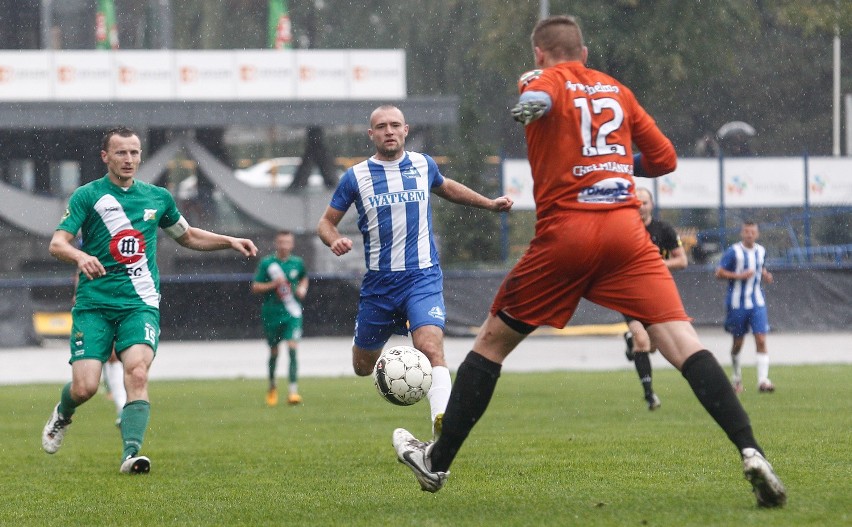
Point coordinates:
[(67, 405), (294, 366), (273, 364), (134, 422)]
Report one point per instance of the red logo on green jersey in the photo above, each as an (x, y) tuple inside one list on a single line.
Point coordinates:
[(127, 246)]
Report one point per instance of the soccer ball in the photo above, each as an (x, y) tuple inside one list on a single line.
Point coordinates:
[(402, 375)]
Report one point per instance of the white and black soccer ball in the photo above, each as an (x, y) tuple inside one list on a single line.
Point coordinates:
[(402, 375)]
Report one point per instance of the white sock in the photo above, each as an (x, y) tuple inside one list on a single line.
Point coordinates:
[(762, 367), (735, 362), (439, 393), (114, 373), (294, 387)]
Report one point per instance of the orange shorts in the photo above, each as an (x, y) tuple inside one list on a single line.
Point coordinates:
[(606, 257)]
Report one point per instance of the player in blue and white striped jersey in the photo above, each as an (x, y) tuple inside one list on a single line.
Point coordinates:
[(742, 265), (402, 290)]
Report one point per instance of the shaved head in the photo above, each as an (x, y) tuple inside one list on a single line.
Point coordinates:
[(560, 37)]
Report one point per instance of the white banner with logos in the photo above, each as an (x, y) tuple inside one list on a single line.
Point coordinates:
[(143, 75), (266, 76), (829, 181), (81, 76), (748, 182), (187, 75), (26, 76), (518, 183)]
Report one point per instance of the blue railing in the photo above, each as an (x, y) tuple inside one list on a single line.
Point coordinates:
[(838, 254)]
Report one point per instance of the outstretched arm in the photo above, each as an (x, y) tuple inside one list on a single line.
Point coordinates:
[(458, 193), (532, 105), (201, 240)]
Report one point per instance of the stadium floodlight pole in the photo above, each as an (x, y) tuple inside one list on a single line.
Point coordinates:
[(46, 23), (848, 103), (166, 24), (723, 239), (836, 99), (543, 9)]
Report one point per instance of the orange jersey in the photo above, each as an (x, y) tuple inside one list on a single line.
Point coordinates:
[(581, 151)]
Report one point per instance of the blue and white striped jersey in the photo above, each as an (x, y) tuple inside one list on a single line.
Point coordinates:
[(744, 294), (394, 216)]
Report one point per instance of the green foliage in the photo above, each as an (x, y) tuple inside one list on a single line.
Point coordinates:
[(816, 16), (693, 65), (559, 448)]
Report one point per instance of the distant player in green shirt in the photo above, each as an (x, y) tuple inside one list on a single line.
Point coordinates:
[(283, 281), (118, 294)]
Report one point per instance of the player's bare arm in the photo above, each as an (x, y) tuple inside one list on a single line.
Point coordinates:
[(458, 193), (724, 274), (302, 288), (62, 249), (328, 233), (260, 288), (677, 260), (201, 240)]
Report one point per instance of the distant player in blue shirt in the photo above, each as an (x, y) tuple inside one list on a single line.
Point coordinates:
[(742, 266), (402, 290)]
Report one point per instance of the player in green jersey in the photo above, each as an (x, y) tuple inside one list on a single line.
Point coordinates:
[(118, 294), (283, 281)]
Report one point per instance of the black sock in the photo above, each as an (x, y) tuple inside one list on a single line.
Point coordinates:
[(716, 394), (643, 368), (475, 381)]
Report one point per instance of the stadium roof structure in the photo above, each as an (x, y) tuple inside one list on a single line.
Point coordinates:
[(422, 111), (16, 205)]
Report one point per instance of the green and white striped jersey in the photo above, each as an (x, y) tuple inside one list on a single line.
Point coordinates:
[(119, 227), (276, 302)]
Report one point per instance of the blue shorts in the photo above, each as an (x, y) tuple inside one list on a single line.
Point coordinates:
[(397, 302), (738, 321)]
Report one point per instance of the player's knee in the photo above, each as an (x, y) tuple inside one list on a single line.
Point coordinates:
[(435, 354), (364, 360), (641, 342), (84, 390), (137, 375), (362, 370)]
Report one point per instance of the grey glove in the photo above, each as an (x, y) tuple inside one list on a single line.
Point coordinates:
[(528, 111)]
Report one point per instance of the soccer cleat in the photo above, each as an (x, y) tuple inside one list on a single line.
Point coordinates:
[(272, 397), (738, 386), (136, 465), (654, 402), (767, 487), (628, 338), (766, 387), (54, 431), (437, 426), (415, 455), (294, 398)]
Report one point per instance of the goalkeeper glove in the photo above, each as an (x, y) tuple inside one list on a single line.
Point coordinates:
[(528, 111)]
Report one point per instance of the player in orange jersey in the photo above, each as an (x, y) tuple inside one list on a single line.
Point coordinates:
[(589, 243)]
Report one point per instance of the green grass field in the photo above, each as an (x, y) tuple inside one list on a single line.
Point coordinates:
[(553, 449)]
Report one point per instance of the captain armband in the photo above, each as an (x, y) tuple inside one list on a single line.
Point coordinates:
[(178, 229)]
